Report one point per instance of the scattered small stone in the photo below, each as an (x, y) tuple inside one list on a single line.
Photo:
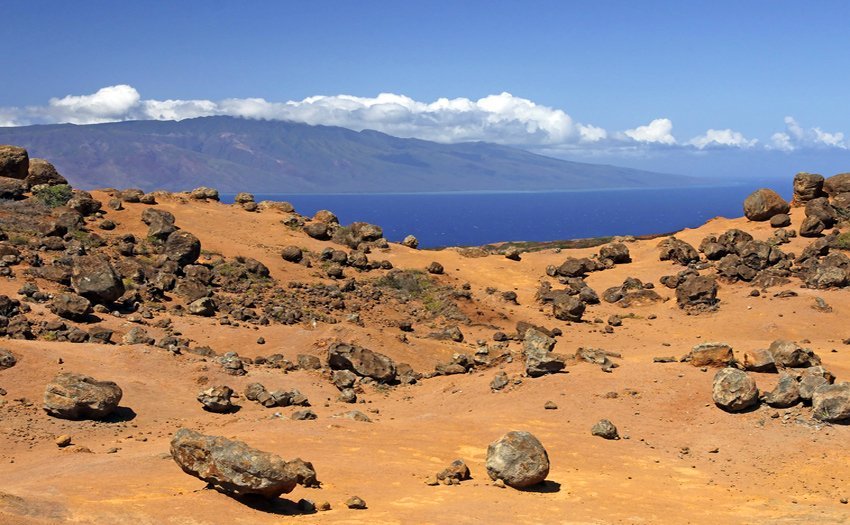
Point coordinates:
[(355, 502), (63, 441), (605, 429), (550, 405)]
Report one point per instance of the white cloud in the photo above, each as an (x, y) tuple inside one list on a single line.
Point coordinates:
[(727, 138), (659, 131), (796, 137), (781, 141), (502, 118)]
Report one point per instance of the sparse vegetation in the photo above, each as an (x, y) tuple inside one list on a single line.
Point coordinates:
[(53, 196)]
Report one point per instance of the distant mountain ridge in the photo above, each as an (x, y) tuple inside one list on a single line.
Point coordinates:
[(234, 154)]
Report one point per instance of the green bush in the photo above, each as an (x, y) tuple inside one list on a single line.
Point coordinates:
[(53, 196)]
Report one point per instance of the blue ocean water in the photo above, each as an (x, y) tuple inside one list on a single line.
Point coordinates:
[(471, 219)]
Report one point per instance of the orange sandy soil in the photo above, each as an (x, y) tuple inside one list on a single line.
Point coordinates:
[(766, 469)]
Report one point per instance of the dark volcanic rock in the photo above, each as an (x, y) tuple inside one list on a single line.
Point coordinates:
[(786, 393), (788, 354), (518, 459), (182, 247), (237, 469), (763, 204), (12, 189), (70, 306), (807, 186), (615, 252), (435, 268), (292, 254), (317, 230), (831, 403), (673, 249), (43, 172), (93, 277), (160, 223), (7, 359), (14, 162), (811, 227), (75, 396), (734, 390), (568, 308), (780, 220), (361, 361), (539, 358), (605, 429), (837, 184), (216, 399), (697, 292)]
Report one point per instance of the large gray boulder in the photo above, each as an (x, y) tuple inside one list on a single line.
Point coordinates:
[(76, 396), (361, 361), (763, 204), (734, 390), (14, 162), (237, 469), (518, 459), (539, 358), (831, 403), (93, 277)]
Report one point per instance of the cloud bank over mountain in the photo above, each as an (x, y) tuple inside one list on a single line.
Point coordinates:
[(502, 119)]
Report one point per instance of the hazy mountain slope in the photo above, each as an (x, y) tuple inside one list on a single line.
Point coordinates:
[(277, 157)]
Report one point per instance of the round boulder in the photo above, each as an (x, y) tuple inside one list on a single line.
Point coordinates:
[(75, 396), (763, 204), (734, 390), (518, 459)]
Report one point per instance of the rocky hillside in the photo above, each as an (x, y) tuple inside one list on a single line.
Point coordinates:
[(285, 157), (171, 359)]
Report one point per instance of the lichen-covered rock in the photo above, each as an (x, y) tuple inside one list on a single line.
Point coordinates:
[(76, 396), (518, 459), (237, 469)]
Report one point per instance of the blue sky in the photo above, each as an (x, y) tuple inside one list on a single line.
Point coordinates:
[(618, 81)]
